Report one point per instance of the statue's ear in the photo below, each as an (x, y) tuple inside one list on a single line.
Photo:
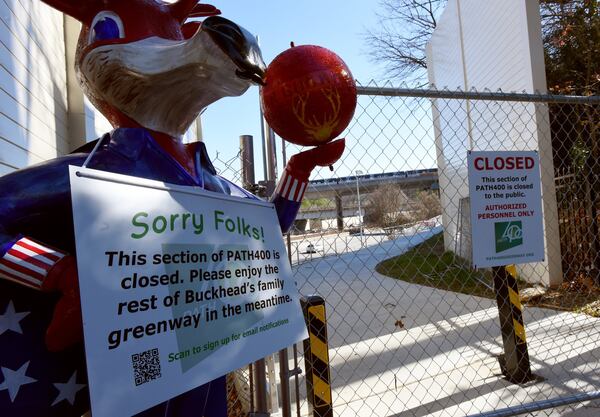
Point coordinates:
[(82, 10)]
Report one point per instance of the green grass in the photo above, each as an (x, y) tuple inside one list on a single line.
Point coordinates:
[(309, 203), (430, 265)]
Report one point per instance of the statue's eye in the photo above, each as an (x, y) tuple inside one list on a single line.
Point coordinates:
[(106, 26)]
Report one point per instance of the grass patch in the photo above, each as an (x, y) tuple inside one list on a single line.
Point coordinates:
[(430, 265), (311, 203)]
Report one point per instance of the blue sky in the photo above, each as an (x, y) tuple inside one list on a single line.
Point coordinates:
[(334, 24)]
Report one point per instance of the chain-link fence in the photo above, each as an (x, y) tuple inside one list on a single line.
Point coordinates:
[(385, 239)]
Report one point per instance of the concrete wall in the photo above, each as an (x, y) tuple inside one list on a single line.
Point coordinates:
[(491, 45), (33, 93)]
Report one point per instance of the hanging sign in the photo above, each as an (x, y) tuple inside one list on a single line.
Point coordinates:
[(506, 208), (178, 287)]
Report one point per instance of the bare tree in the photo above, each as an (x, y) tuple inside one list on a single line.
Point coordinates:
[(387, 207), (428, 205), (399, 41), (570, 31)]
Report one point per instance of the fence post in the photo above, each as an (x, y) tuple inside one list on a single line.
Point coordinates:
[(284, 375), (269, 157), (316, 357), (260, 389), (247, 161), (514, 363), (339, 212), (258, 378)]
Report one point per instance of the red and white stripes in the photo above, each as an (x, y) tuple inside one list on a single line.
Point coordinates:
[(291, 188), (28, 262)]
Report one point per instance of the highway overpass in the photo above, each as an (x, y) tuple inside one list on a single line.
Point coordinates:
[(335, 189)]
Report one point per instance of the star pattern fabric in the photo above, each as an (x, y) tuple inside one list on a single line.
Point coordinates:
[(13, 380), (69, 390), (33, 381), (10, 320)]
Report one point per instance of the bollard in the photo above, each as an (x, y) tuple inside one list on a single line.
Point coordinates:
[(316, 357), (514, 363)]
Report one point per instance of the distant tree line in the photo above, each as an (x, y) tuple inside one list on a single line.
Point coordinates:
[(390, 206)]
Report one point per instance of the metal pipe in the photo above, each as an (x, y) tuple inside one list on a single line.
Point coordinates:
[(271, 157), (263, 143), (247, 160), (284, 377), (360, 219), (258, 376), (296, 381), (269, 149), (472, 95), (540, 405), (260, 387), (262, 131), (283, 153), (251, 378), (273, 398)]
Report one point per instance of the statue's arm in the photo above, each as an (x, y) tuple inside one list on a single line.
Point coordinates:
[(294, 181), (26, 197)]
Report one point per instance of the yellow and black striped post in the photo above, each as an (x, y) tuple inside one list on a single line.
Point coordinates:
[(514, 363), (316, 357)]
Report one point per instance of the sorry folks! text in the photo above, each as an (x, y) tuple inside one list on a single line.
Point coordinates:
[(145, 224)]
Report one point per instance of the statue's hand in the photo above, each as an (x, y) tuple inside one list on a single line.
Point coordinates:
[(66, 327), (302, 164), (294, 179)]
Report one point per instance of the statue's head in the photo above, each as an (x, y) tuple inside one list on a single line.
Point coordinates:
[(144, 62)]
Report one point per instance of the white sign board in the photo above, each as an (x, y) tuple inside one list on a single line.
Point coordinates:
[(178, 286), (506, 208)]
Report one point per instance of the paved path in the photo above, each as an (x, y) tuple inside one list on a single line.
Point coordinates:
[(442, 361)]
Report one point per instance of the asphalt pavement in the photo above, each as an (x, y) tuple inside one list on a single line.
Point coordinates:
[(400, 349)]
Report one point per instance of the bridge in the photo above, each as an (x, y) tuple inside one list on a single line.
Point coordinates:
[(334, 189), (420, 179)]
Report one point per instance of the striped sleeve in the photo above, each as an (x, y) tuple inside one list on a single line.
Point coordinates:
[(291, 188), (27, 262)]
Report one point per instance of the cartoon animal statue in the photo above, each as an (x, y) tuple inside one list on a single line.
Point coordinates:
[(150, 71)]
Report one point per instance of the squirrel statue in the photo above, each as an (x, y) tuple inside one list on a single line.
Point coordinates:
[(150, 71)]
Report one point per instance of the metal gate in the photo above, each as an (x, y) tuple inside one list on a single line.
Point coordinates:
[(412, 329)]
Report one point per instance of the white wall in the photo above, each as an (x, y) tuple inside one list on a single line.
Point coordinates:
[(95, 123), (33, 95), (491, 45), (451, 132)]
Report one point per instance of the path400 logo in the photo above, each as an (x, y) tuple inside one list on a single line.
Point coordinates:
[(508, 235)]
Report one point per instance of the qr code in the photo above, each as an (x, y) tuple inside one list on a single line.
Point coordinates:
[(146, 366)]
